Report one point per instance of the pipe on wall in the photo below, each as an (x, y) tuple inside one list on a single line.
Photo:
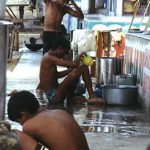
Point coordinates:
[(4, 40)]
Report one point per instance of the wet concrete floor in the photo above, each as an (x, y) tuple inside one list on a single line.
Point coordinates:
[(110, 128)]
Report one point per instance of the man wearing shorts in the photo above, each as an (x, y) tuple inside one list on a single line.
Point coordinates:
[(55, 91), (54, 12)]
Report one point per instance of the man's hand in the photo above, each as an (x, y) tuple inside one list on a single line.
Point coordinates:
[(82, 55), (77, 61)]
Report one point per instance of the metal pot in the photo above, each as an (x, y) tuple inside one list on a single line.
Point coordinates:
[(120, 94), (124, 79)]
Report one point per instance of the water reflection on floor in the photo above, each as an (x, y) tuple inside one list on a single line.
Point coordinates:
[(125, 121), (119, 121)]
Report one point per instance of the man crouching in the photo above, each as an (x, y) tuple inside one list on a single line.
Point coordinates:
[(49, 75)]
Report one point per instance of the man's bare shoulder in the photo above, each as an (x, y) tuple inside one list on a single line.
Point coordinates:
[(45, 116), (49, 113), (56, 114), (38, 120), (52, 112), (49, 57)]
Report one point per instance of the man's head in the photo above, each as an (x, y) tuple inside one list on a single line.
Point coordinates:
[(63, 43), (20, 104)]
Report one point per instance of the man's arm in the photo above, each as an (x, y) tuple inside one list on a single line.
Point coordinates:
[(77, 12), (77, 61), (63, 73), (64, 63)]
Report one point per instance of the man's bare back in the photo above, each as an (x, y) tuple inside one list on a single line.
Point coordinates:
[(49, 74), (62, 131), (55, 129), (48, 71)]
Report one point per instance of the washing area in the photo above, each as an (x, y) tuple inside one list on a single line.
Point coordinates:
[(113, 127), (121, 127), (106, 48), (123, 124), (117, 88)]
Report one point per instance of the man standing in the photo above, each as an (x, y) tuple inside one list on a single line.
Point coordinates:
[(54, 12)]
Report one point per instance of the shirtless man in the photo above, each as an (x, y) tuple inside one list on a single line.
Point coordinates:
[(55, 129), (54, 12), (56, 92)]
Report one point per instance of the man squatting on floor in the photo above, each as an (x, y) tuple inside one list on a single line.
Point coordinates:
[(55, 129), (56, 92)]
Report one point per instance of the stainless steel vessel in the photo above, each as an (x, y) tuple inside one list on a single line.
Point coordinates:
[(120, 94), (104, 70), (106, 67), (124, 79)]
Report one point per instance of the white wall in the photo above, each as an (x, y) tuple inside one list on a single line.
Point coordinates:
[(119, 7), (84, 5)]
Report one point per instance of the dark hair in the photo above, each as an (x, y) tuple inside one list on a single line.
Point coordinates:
[(63, 29), (62, 42), (23, 101)]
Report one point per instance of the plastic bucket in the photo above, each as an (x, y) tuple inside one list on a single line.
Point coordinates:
[(2, 9)]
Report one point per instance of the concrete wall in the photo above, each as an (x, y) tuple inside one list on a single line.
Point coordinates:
[(137, 61)]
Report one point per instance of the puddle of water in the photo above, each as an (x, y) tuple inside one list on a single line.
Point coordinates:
[(119, 121), (126, 122)]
